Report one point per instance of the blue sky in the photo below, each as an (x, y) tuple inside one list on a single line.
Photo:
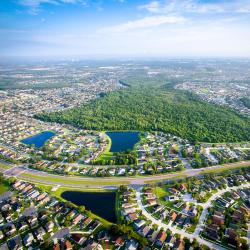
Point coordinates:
[(124, 28)]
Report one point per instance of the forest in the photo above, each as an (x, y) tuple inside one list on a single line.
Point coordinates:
[(150, 106), (246, 102)]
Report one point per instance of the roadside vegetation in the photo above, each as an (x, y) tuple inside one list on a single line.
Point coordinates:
[(69, 182)]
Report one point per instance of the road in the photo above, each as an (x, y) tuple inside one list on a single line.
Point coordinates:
[(174, 230), (202, 218), (208, 204), (25, 173)]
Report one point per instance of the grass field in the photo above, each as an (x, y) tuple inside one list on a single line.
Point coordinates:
[(70, 181), (222, 169), (3, 188), (160, 192), (106, 154), (60, 190), (3, 166)]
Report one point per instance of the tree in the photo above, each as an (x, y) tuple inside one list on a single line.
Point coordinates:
[(146, 108), (82, 208)]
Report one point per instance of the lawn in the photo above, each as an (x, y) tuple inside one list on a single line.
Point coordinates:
[(106, 154), (60, 190), (160, 192), (3, 188)]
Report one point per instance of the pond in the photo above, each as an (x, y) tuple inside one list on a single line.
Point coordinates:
[(123, 141), (99, 203), (39, 139)]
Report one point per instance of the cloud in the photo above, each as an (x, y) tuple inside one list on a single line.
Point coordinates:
[(36, 3), (34, 6), (151, 6), (195, 6), (146, 22)]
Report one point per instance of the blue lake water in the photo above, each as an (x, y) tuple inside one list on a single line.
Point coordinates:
[(123, 141), (39, 139), (100, 203)]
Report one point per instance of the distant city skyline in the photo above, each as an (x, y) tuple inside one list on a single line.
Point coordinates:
[(124, 28)]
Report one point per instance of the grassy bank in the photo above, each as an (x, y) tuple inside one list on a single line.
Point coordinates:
[(106, 154)]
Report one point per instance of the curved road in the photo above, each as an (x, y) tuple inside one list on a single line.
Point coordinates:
[(202, 218), (174, 230)]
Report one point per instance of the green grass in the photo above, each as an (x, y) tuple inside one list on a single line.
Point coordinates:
[(70, 181), (222, 169), (60, 190), (106, 154), (3, 188), (160, 192), (3, 166), (180, 176)]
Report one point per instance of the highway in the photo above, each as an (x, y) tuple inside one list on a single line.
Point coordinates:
[(25, 173)]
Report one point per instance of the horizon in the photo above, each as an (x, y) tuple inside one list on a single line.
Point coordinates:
[(116, 59), (144, 29)]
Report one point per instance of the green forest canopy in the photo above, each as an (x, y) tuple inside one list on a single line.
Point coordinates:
[(246, 102), (151, 107)]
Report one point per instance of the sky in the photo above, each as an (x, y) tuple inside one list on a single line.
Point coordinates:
[(124, 28)]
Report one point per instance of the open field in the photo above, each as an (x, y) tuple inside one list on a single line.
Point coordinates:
[(3, 188)]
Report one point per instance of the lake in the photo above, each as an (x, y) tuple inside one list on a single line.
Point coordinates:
[(39, 139), (99, 203), (123, 141)]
